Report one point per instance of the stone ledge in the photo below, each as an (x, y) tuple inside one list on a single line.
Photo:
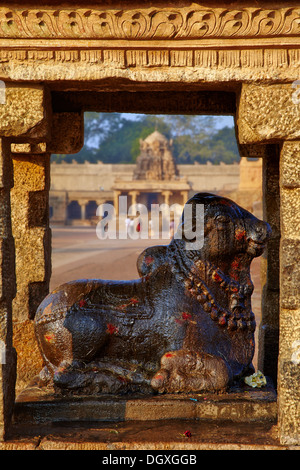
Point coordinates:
[(241, 405), (165, 435)]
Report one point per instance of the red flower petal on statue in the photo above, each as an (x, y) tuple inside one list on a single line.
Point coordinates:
[(186, 316), (121, 307), (149, 260), (169, 355), (225, 203), (123, 379), (158, 377), (222, 321), (235, 265), (240, 234), (82, 303), (112, 329), (49, 337), (216, 277), (188, 434)]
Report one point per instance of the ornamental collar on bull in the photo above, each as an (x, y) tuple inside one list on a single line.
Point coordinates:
[(236, 286), (239, 314)]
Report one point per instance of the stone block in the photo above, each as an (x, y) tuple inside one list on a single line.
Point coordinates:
[(30, 362), (33, 148), (7, 391), (68, 133), (290, 213), (6, 168), (289, 377), (30, 269), (267, 113), (290, 274), (7, 269), (290, 165), (25, 112), (38, 209), (30, 172), (289, 403)]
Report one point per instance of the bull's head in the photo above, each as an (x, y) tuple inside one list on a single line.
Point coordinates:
[(228, 229)]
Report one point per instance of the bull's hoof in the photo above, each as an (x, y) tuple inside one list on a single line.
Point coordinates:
[(187, 371)]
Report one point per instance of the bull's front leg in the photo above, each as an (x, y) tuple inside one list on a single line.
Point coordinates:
[(187, 371)]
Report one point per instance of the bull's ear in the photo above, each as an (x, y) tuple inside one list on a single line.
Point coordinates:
[(150, 258)]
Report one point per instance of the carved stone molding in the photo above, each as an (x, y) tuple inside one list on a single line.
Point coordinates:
[(194, 22), (137, 65), (151, 57)]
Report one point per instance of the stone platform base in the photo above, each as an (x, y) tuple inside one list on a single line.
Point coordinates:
[(242, 419), (164, 436), (241, 404)]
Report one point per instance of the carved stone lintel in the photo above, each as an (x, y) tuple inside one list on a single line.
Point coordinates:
[(148, 23)]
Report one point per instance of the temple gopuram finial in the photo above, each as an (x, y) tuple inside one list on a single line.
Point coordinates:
[(156, 161)]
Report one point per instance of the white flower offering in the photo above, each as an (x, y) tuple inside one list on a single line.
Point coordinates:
[(256, 380)]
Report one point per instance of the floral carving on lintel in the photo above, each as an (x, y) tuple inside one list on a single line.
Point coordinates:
[(150, 23)]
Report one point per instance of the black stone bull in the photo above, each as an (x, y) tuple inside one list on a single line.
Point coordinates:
[(185, 325)]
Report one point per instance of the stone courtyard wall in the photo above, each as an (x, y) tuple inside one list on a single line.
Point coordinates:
[(93, 177), (95, 181)]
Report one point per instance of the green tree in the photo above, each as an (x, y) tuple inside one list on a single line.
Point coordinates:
[(112, 138)]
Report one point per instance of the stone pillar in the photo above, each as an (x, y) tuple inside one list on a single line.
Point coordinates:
[(289, 351), (134, 195), (23, 117), (59, 206), (270, 114), (116, 201), (33, 132), (7, 293), (269, 327), (30, 225), (185, 196), (82, 208), (268, 334), (166, 195)]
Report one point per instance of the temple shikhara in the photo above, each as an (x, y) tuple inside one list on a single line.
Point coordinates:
[(156, 179)]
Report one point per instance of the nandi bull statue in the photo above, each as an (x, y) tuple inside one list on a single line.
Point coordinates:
[(185, 325)]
